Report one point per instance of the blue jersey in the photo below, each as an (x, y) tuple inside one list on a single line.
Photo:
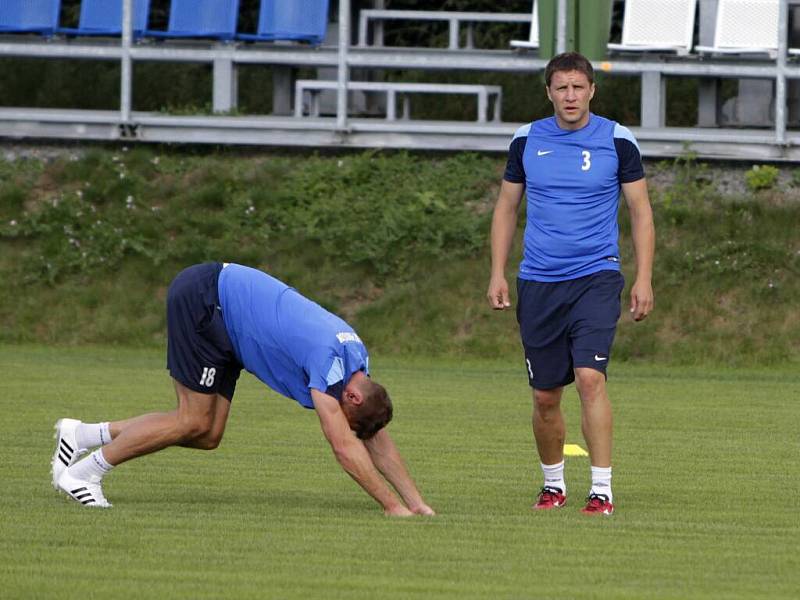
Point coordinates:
[(289, 342), (572, 182)]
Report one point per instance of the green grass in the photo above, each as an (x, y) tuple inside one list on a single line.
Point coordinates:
[(706, 485)]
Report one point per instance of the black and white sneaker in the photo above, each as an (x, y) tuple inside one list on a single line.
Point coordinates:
[(87, 492), (67, 452)]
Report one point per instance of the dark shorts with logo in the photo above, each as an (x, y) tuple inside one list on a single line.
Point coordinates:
[(568, 324), (199, 352)]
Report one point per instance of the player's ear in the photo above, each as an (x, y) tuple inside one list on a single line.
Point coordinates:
[(591, 91), (353, 396)]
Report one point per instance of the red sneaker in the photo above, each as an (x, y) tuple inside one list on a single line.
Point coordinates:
[(550, 497), (598, 504)]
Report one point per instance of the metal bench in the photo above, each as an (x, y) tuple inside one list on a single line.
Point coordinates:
[(452, 17), (392, 89)]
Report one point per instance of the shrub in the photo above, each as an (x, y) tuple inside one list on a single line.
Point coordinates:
[(761, 177)]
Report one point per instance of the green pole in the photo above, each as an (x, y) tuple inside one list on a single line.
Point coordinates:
[(588, 27)]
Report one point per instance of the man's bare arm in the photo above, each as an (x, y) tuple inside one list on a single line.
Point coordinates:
[(352, 455), (644, 242), (504, 225), (386, 457)]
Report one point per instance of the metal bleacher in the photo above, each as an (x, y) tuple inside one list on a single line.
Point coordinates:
[(296, 40)]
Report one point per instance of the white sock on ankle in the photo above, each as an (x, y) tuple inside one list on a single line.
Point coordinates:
[(554, 476), (601, 482), (91, 435), (94, 464)]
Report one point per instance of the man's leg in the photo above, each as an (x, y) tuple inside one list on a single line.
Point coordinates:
[(549, 430), (198, 422), (594, 316), (596, 419), (596, 422)]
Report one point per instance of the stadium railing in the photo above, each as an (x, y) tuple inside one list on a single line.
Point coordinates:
[(345, 59), (453, 18), (533, 32), (391, 89)]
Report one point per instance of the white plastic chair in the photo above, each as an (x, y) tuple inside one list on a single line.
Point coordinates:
[(745, 27), (533, 37), (657, 25)]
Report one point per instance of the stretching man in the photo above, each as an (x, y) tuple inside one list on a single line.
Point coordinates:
[(220, 319), (571, 166)]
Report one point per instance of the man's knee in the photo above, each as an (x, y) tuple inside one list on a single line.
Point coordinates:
[(589, 382), (195, 427), (546, 401)]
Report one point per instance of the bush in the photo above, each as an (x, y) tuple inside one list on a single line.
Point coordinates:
[(761, 177), (372, 210)]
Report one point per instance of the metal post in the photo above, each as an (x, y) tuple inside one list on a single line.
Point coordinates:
[(653, 100), (561, 31), (453, 42), (708, 88), (343, 69), (780, 76), (391, 105), (282, 90), (126, 66), (377, 28), (224, 97)]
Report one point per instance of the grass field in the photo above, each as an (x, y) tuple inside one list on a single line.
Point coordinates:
[(706, 486)]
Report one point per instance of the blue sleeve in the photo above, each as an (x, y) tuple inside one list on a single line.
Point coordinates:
[(324, 370), (630, 158), (515, 171)]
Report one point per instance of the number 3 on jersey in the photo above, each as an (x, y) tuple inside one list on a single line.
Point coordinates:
[(587, 160)]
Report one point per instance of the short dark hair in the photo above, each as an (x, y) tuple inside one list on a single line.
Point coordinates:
[(375, 411), (568, 61)]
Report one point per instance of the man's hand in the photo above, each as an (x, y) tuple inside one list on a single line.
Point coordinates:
[(386, 458), (641, 299), (423, 509), (504, 225), (352, 455), (498, 293)]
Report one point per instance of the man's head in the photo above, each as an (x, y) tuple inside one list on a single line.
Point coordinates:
[(366, 405), (569, 81)]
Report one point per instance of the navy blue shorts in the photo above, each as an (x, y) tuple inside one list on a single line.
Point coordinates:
[(568, 324), (199, 352)]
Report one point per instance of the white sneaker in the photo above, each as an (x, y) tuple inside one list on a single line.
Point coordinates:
[(87, 492), (67, 452)]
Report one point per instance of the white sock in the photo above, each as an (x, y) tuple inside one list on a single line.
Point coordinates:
[(554, 476), (91, 435), (601, 482), (94, 464)]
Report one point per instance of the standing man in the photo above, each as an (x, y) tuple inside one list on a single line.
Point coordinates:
[(220, 319), (571, 167)]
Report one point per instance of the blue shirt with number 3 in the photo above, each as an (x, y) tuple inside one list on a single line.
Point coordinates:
[(572, 182)]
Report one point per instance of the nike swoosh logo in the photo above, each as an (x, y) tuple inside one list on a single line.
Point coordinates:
[(599, 358), (543, 152)]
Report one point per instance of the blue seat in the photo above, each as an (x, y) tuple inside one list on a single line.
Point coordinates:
[(300, 20), (200, 19), (29, 16), (104, 17)]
